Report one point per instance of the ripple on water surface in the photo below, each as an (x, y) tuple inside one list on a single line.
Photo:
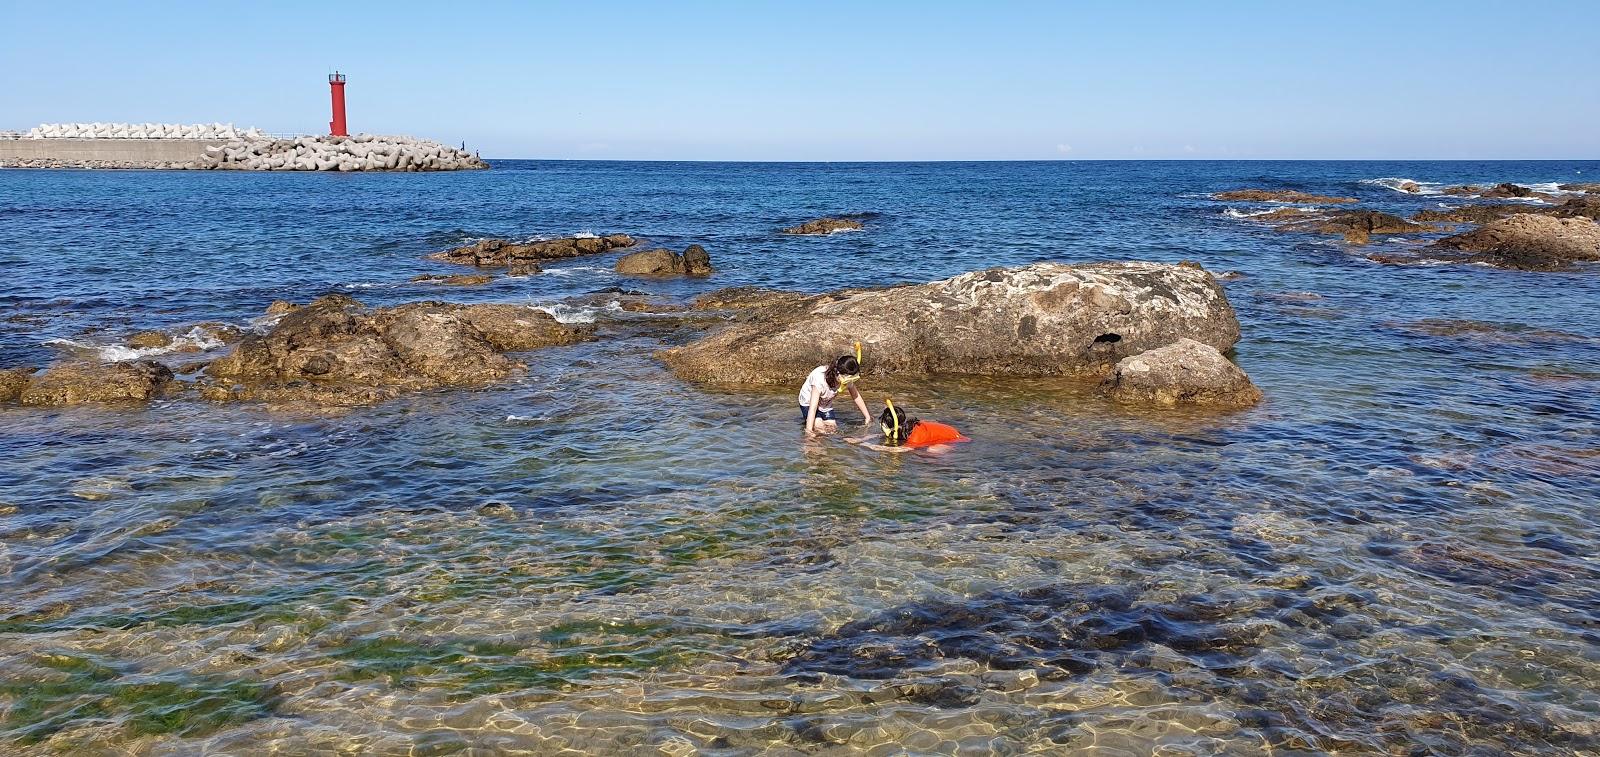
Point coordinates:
[(1392, 552)]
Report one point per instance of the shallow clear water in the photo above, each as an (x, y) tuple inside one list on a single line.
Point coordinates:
[(1394, 552)]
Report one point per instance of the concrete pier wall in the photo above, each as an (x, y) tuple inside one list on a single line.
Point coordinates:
[(109, 150)]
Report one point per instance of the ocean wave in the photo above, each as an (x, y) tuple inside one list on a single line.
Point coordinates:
[(565, 313), (1395, 183), (1234, 213), (577, 269), (196, 340)]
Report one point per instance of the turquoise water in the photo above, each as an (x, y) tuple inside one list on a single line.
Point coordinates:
[(1393, 552)]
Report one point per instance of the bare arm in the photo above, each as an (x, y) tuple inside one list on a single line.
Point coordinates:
[(861, 404), (811, 414)]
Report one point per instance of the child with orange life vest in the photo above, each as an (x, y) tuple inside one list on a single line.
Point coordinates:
[(902, 433)]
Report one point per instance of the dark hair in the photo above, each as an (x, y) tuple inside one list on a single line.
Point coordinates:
[(890, 416), (845, 364)]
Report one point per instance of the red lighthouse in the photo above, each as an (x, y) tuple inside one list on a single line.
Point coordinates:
[(336, 84)]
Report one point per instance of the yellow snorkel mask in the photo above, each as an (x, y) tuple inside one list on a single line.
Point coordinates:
[(892, 432), (844, 380)]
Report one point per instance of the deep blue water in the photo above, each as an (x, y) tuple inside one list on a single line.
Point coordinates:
[(1395, 548)]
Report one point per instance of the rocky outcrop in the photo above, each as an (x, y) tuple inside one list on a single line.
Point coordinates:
[(500, 252), (823, 226), (1185, 372), (1281, 195), (83, 383), (694, 261), (1046, 319), (1572, 207), (144, 340), (13, 381), (335, 351), (1508, 191), (1588, 187), (746, 298), (1356, 226), (1529, 242), (362, 152)]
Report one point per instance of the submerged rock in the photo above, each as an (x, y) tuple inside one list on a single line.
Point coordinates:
[(455, 280), (823, 226), (81, 383), (1185, 372), (1529, 242), (1280, 195), (500, 252), (694, 261), (335, 351), (1045, 319)]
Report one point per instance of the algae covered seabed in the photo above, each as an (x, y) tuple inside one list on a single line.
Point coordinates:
[(1394, 551)]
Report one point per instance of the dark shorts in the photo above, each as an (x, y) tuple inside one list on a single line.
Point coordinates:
[(823, 414)]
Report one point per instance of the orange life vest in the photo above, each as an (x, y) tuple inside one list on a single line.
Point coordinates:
[(927, 433)]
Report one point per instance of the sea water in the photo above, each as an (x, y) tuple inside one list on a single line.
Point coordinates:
[(1393, 552)]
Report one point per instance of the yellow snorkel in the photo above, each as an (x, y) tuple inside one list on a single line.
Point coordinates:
[(894, 435)]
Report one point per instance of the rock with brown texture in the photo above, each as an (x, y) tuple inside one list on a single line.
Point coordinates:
[(1185, 372), (500, 252), (1588, 187), (85, 382), (13, 381), (1506, 190), (1467, 190), (1529, 242), (823, 226), (454, 280), (1281, 195), (335, 351), (694, 261), (1356, 226), (280, 307), (745, 298), (1045, 319), (144, 340)]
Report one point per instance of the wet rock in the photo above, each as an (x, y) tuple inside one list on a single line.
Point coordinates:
[(280, 307), (1529, 242), (1505, 191), (1470, 213), (81, 383), (1282, 195), (1468, 190), (745, 298), (1357, 226), (823, 226), (457, 280), (1409, 187), (149, 340), (694, 261), (1589, 187), (335, 351), (1185, 372), (500, 252), (1046, 319), (13, 381)]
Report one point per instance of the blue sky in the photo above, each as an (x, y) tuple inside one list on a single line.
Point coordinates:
[(840, 81)]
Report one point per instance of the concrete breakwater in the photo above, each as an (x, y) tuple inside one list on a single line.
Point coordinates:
[(362, 152)]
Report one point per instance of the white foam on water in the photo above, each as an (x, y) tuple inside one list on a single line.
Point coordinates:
[(1233, 213), (577, 269), (513, 418), (565, 313), (197, 338), (1392, 182)]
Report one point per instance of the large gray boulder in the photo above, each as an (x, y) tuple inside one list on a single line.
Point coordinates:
[(1045, 319), (1185, 372)]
